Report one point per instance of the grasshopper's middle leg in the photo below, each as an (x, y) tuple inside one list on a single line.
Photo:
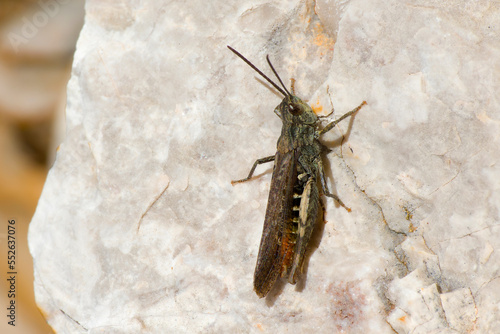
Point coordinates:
[(324, 185), (257, 162)]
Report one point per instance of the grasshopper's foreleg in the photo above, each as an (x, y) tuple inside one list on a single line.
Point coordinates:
[(257, 162), (335, 122), (326, 116), (324, 185)]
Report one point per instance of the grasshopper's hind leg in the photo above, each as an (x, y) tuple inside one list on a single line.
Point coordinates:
[(257, 162)]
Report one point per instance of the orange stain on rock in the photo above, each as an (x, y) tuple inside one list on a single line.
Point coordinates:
[(321, 38), (317, 107)]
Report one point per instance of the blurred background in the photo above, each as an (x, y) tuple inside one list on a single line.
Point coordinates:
[(37, 43)]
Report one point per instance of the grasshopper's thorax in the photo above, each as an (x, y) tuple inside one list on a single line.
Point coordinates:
[(299, 123)]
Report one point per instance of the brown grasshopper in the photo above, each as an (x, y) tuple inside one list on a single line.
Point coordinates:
[(292, 207)]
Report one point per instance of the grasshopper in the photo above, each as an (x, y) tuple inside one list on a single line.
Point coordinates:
[(294, 197)]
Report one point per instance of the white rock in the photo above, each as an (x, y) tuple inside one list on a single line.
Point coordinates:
[(139, 228), (462, 310)]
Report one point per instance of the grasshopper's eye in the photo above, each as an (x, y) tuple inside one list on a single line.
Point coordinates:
[(294, 109)]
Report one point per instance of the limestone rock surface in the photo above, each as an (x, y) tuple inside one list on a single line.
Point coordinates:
[(140, 230)]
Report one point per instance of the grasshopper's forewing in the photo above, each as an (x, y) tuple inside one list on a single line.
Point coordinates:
[(273, 249)]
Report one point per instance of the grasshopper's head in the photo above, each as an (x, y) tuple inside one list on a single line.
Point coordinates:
[(293, 110)]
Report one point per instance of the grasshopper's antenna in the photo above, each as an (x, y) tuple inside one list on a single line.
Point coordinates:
[(260, 72), (277, 76)]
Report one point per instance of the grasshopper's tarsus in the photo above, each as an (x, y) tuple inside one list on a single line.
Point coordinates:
[(335, 197)]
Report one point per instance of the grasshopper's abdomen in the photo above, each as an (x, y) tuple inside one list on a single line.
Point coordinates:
[(298, 231)]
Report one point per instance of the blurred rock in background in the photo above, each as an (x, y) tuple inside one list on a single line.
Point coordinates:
[(37, 42)]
